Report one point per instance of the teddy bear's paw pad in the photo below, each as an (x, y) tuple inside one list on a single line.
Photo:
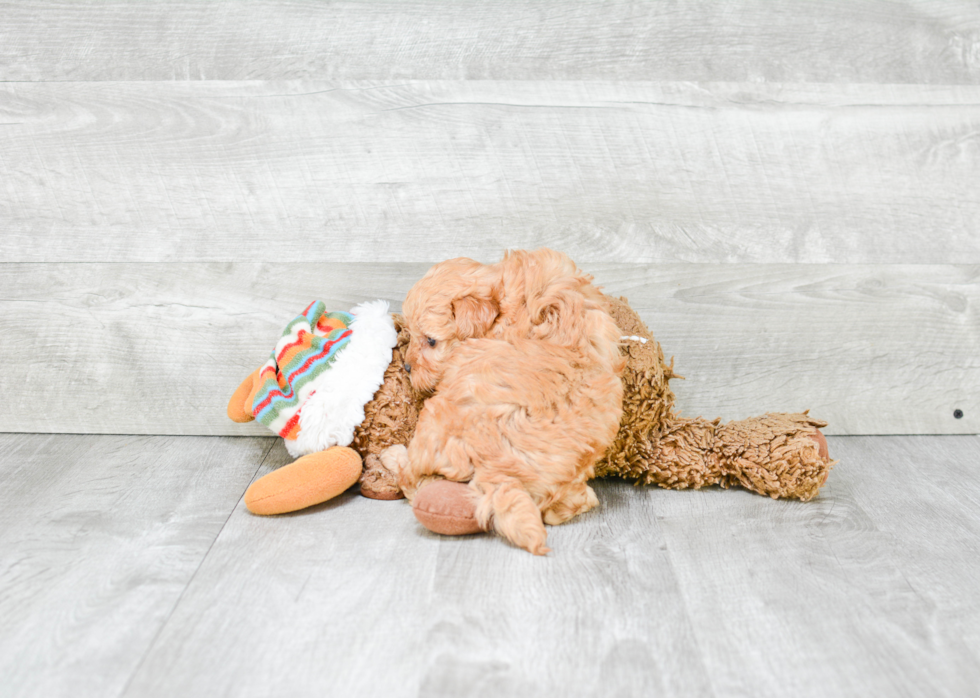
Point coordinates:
[(824, 451), (307, 481), (821, 440), (377, 482), (446, 507)]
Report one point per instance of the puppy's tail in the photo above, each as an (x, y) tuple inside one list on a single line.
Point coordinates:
[(509, 510)]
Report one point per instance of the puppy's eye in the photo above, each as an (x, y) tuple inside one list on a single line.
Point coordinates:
[(431, 341)]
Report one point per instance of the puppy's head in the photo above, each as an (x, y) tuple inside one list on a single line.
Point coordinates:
[(455, 300)]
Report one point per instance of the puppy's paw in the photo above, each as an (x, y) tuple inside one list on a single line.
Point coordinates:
[(576, 501), (537, 546), (394, 458)]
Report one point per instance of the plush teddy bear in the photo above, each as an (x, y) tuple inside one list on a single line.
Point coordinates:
[(312, 391), (779, 455)]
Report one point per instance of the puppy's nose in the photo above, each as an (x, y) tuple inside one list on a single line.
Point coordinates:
[(408, 367)]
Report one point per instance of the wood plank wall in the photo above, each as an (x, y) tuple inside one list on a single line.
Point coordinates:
[(788, 192)]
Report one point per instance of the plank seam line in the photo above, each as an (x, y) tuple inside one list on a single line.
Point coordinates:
[(688, 615), (166, 621), (516, 105)]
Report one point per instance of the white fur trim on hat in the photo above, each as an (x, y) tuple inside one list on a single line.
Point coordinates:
[(331, 414)]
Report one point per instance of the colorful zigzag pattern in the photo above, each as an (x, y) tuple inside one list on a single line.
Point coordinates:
[(307, 348)]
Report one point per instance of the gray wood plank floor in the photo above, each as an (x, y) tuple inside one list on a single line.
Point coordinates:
[(99, 536), (129, 567)]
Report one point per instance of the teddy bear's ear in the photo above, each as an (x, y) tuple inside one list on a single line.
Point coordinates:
[(474, 315)]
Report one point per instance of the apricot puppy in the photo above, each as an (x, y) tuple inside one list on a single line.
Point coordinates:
[(523, 359)]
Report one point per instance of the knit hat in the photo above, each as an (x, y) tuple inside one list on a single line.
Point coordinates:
[(307, 348), (325, 367)]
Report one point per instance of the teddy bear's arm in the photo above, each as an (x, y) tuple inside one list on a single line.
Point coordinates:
[(240, 404)]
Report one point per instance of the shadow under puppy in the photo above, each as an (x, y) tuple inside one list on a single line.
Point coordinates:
[(524, 362)]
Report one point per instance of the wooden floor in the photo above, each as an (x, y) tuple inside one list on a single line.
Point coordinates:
[(130, 567)]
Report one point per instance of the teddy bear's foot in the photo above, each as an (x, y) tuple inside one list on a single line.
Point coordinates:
[(309, 480), (824, 451), (779, 455), (446, 507), (378, 482)]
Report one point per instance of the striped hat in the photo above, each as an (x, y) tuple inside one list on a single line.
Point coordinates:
[(308, 348)]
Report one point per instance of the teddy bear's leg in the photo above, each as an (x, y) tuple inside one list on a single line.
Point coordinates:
[(447, 507), (502, 504), (442, 506), (821, 444), (378, 481), (780, 455), (681, 457)]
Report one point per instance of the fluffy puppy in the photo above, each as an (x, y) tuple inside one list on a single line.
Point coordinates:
[(523, 358)]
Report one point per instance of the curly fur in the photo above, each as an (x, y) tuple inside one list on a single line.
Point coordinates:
[(776, 454), (524, 361)]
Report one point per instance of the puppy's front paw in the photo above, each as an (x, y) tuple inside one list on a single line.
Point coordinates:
[(394, 458), (576, 501)]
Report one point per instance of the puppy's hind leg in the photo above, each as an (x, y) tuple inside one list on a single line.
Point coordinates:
[(508, 507), (577, 499)]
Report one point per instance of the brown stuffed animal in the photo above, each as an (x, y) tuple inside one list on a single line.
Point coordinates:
[(779, 455), (389, 420), (389, 417)]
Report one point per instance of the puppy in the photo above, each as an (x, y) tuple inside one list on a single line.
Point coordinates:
[(524, 362)]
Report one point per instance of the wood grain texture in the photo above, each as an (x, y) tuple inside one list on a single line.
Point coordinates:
[(99, 537), (833, 597), (122, 573), (874, 41), (713, 593), (927, 502), (355, 598), (159, 348), (423, 171)]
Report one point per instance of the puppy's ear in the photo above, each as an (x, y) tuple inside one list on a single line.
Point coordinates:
[(550, 313), (552, 305), (474, 316)]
